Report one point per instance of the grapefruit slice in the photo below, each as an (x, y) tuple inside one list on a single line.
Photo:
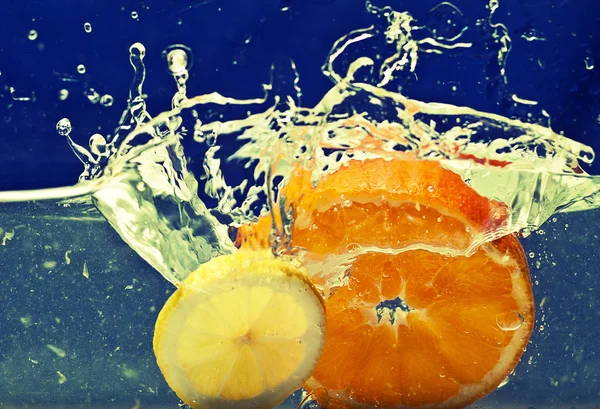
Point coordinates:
[(243, 331)]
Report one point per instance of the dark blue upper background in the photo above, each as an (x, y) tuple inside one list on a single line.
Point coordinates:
[(234, 43)]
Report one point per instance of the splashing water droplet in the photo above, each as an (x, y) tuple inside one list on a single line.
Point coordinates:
[(92, 95), (32, 35), (509, 321), (81, 69), (63, 127), (137, 49), (87, 27), (97, 144), (63, 94), (179, 59), (106, 100), (503, 383)]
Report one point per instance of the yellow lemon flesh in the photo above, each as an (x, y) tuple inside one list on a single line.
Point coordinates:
[(243, 331)]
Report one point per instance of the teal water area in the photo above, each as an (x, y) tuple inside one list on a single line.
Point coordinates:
[(79, 308)]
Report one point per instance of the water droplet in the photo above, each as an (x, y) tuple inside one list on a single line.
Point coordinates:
[(179, 59), (509, 320), (32, 35), (134, 15), (87, 27), (81, 69), (63, 127), (137, 49), (503, 383), (353, 247), (63, 94), (92, 95), (106, 100), (97, 144)]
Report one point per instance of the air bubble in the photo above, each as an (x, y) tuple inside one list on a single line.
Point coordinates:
[(353, 247), (81, 69), (32, 35), (135, 15), (589, 63), (509, 321), (63, 94), (106, 100), (87, 27), (63, 127)]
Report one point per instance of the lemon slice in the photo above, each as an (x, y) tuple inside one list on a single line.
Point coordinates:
[(243, 331)]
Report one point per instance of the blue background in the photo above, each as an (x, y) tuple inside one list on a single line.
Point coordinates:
[(254, 34)]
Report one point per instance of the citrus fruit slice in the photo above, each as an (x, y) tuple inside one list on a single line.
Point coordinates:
[(243, 331), (421, 329), (418, 319)]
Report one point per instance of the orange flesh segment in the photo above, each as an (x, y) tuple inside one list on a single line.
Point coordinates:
[(451, 336), (402, 201), (465, 320)]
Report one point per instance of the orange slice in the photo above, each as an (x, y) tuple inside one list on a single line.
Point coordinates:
[(243, 331), (418, 324)]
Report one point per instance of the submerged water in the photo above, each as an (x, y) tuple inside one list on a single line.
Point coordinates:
[(72, 284), (82, 305)]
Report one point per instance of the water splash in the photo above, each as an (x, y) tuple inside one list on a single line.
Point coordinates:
[(178, 214)]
